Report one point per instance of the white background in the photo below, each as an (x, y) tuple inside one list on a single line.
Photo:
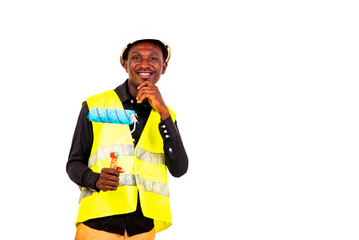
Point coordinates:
[(265, 92)]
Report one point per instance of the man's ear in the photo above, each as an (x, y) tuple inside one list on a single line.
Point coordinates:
[(125, 63), (164, 67)]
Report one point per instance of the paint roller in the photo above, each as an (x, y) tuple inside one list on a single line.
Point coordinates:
[(114, 116)]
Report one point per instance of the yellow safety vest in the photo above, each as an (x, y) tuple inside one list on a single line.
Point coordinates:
[(145, 170)]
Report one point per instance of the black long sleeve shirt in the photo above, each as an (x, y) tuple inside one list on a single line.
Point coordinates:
[(77, 166)]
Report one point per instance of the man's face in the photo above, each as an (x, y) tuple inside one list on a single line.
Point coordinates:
[(145, 63)]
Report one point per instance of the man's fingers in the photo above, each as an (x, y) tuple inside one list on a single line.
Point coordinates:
[(112, 182), (109, 179), (146, 87), (109, 171), (146, 90), (109, 185), (108, 188), (146, 94), (149, 91), (145, 83)]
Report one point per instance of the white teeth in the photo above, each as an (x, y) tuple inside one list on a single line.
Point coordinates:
[(144, 74)]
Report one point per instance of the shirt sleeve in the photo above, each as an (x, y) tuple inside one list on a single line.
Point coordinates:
[(77, 165), (175, 153)]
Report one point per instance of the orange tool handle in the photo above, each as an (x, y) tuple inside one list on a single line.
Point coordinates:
[(113, 164)]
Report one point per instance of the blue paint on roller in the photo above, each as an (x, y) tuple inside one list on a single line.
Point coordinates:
[(110, 115)]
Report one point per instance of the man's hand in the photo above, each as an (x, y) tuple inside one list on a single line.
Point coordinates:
[(149, 91), (109, 179)]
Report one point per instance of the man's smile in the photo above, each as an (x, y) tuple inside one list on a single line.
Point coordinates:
[(144, 74)]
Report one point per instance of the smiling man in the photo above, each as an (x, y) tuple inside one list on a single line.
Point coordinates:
[(131, 202), (145, 63)]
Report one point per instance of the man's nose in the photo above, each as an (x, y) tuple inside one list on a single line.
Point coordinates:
[(144, 63)]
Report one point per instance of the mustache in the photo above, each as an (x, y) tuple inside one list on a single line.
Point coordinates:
[(149, 69)]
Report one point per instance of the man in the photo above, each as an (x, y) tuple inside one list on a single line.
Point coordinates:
[(131, 202)]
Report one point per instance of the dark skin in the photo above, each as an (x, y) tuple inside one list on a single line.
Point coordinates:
[(109, 179), (144, 65)]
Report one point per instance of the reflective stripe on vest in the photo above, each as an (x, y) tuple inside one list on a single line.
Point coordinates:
[(155, 158), (103, 152), (126, 150), (154, 187), (130, 180)]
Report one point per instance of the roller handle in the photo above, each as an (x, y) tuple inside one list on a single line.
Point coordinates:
[(114, 156)]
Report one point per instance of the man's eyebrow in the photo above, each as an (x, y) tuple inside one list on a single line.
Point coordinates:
[(140, 53)]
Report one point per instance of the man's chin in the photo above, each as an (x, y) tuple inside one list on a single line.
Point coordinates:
[(144, 79), (138, 80)]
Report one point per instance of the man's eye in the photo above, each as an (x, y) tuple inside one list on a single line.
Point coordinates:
[(136, 58), (153, 59)]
